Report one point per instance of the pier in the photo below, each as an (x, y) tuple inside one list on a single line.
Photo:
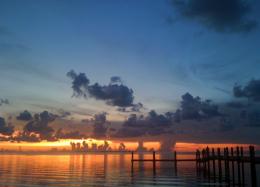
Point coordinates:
[(225, 165)]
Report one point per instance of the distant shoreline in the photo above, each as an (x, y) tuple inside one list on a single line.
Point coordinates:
[(85, 153)]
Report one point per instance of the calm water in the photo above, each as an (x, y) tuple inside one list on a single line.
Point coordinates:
[(95, 170)]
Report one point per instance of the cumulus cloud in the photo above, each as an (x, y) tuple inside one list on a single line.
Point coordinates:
[(191, 108), (100, 123), (195, 108), (219, 15), (152, 124), (40, 125), (27, 137), (25, 116), (151, 120), (80, 83), (114, 94), (5, 129), (250, 91)]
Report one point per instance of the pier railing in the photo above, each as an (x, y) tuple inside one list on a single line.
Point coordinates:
[(216, 164)]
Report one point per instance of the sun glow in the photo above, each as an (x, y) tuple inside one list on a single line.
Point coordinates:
[(64, 144)]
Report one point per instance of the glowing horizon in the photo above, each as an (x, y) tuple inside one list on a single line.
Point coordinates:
[(64, 144)]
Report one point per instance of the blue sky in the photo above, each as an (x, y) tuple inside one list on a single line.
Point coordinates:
[(155, 51)]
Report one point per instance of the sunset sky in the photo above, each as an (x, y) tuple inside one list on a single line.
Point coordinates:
[(155, 52)]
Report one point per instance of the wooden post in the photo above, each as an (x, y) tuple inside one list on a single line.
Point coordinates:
[(208, 161), (132, 161), (154, 163), (233, 166), (238, 167), (252, 166), (242, 166), (219, 165), (214, 164), (204, 161), (175, 162), (225, 163), (199, 159), (228, 170)]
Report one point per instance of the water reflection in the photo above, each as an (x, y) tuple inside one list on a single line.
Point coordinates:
[(94, 170)]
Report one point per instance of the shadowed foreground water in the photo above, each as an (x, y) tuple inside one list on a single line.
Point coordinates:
[(95, 170)]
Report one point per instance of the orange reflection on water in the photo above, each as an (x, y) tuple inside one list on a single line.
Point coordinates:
[(65, 169)]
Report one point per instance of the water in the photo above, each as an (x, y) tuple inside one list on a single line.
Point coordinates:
[(95, 170)]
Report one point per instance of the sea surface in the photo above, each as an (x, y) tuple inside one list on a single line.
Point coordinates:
[(100, 170)]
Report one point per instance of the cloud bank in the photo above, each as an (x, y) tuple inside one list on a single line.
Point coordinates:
[(40, 125), (152, 124)]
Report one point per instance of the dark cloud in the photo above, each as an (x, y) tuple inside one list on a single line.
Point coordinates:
[(250, 91), (4, 102), (26, 136), (234, 104), (25, 116), (251, 117), (195, 108), (40, 125), (151, 120), (79, 83), (226, 124), (152, 124), (219, 15), (60, 134), (254, 118), (115, 80), (115, 94), (6, 129), (192, 108), (100, 125), (134, 108)]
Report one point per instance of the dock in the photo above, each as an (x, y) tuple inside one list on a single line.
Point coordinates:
[(222, 165)]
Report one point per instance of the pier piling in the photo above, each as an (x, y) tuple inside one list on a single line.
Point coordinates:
[(252, 166), (219, 166), (154, 163)]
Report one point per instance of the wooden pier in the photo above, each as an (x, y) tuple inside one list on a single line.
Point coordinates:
[(216, 164)]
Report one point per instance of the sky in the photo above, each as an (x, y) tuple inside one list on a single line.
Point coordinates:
[(158, 50)]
